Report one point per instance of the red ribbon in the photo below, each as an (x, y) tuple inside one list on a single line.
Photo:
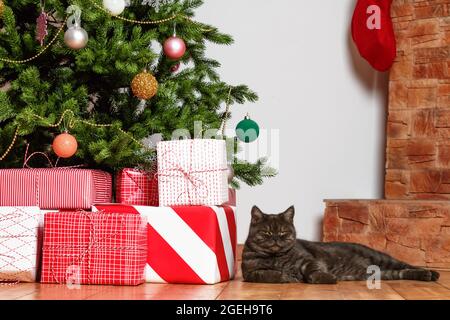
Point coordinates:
[(177, 171), (27, 159)]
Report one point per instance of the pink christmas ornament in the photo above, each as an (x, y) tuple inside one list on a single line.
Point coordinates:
[(41, 27), (174, 48)]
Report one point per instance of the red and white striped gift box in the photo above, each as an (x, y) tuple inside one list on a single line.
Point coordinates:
[(54, 188), (137, 187), (192, 172), (94, 248), (187, 244), (19, 243)]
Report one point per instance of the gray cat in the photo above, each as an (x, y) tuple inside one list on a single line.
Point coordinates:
[(273, 254)]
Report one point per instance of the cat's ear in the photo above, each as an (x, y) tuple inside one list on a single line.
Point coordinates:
[(288, 215), (257, 214)]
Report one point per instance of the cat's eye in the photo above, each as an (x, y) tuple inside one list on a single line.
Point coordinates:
[(282, 234), (267, 233)]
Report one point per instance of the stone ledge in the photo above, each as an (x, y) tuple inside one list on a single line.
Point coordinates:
[(415, 231)]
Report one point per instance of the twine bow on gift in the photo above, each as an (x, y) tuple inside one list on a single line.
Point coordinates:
[(84, 257), (193, 182), (27, 158)]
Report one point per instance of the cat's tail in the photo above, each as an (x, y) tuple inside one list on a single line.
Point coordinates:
[(393, 269), (410, 274)]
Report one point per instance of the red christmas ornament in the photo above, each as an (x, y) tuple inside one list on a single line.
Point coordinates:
[(175, 67), (174, 48), (65, 145), (373, 33)]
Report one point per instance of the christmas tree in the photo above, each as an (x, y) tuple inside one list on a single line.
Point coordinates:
[(50, 85)]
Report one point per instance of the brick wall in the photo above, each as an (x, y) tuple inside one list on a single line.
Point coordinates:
[(416, 227), (418, 128), (417, 231)]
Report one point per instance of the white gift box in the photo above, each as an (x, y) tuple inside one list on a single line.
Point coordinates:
[(19, 236), (192, 172)]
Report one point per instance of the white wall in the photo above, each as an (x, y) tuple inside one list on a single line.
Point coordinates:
[(327, 102)]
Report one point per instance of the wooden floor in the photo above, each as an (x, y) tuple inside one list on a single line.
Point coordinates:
[(236, 289)]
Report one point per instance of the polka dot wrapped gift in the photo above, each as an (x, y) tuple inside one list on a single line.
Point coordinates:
[(192, 172)]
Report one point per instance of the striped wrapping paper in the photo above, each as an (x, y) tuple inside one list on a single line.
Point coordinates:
[(94, 248), (54, 188), (192, 172), (187, 244), (137, 187)]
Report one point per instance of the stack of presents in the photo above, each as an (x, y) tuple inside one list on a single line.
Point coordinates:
[(174, 225)]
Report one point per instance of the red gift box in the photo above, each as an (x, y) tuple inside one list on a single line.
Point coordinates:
[(94, 248), (187, 244), (54, 188), (137, 187)]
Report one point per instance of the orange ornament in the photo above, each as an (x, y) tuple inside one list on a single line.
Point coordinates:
[(65, 145)]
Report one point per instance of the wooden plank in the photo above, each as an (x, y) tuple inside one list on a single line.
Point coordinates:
[(304, 291), (358, 290), (16, 291), (62, 292), (239, 290), (415, 290), (121, 293), (160, 292), (444, 279), (236, 290), (189, 292)]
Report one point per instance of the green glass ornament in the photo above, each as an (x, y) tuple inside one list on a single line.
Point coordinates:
[(247, 130)]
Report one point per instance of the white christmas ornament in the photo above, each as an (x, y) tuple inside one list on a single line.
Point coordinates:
[(115, 7), (75, 37), (155, 3)]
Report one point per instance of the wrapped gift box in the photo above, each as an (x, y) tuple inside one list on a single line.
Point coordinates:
[(187, 244), (94, 248), (19, 231), (54, 188), (192, 172), (137, 187)]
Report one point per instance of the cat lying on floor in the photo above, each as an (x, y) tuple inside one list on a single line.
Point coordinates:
[(272, 254)]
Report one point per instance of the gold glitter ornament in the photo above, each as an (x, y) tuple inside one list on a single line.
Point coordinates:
[(2, 7), (144, 85)]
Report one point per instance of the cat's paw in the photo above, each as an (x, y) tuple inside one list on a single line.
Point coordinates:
[(322, 278), (434, 275), (286, 278)]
